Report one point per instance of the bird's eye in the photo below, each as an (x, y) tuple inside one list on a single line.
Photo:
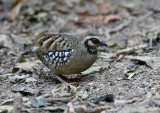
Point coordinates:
[(95, 41)]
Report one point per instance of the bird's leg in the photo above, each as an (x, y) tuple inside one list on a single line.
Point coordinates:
[(59, 77)]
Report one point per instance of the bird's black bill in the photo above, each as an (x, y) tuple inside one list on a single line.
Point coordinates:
[(103, 43)]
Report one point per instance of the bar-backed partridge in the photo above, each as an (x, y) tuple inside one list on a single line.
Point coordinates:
[(67, 54)]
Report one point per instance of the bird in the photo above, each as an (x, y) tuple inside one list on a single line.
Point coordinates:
[(67, 54)]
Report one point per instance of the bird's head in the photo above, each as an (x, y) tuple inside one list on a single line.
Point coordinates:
[(92, 42)]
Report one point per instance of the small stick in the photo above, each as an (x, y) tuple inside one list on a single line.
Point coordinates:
[(53, 100), (17, 103), (120, 27), (145, 16), (128, 50)]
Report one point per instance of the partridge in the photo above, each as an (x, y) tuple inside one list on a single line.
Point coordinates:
[(67, 54)]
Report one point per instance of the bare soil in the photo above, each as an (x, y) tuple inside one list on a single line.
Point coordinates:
[(140, 93)]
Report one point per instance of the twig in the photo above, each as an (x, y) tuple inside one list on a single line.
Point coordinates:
[(6, 75), (17, 103), (145, 16), (128, 50), (118, 28), (53, 100)]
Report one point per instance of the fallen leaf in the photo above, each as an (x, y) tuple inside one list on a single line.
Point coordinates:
[(109, 18), (152, 62), (23, 89), (30, 79), (37, 102), (21, 40), (17, 78), (16, 9), (94, 69), (27, 65), (130, 73), (18, 87)]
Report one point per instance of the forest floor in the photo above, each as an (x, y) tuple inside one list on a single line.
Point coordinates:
[(124, 79)]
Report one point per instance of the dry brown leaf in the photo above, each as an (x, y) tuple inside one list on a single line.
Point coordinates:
[(111, 17), (27, 65), (153, 62), (94, 69), (16, 9)]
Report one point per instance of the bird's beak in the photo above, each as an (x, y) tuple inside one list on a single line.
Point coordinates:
[(103, 43)]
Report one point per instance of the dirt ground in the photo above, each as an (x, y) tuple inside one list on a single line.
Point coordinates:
[(126, 75)]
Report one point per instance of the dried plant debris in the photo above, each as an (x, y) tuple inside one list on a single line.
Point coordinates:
[(37, 102), (124, 79), (130, 73), (152, 62), (106, 98), (94, 69)]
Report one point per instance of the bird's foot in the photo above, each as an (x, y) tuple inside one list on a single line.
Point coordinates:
[(63, 81)]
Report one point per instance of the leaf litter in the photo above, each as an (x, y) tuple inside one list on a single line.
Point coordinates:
[(132, 43)]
